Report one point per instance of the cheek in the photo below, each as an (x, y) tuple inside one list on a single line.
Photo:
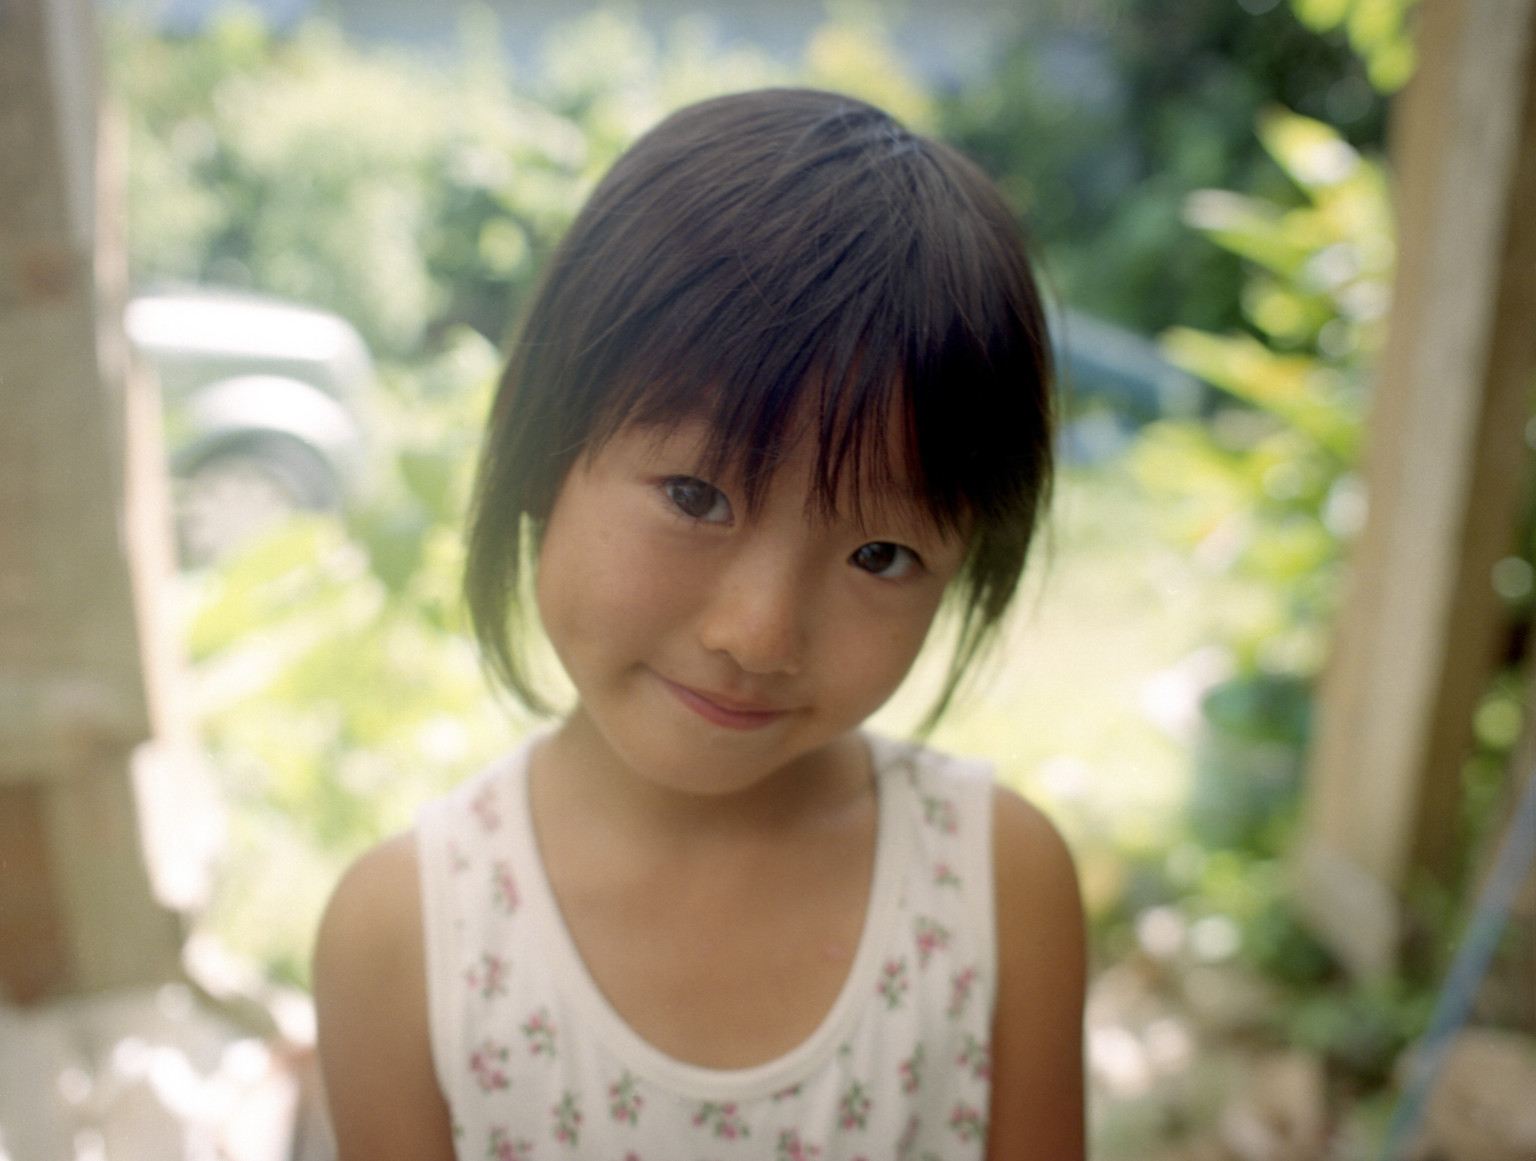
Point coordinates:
[(600, 587), (876, 657)]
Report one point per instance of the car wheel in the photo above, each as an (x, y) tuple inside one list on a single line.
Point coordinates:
[(238, 490)]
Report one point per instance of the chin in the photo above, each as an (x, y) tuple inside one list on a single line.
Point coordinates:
[(702, 759)]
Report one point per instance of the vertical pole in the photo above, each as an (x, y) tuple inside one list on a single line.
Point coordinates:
[(1447, 464), (77, 679)]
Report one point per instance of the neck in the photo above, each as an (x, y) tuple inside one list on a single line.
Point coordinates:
[(577, 774)]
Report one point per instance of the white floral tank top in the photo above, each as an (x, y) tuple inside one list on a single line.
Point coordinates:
[(535, 1064)]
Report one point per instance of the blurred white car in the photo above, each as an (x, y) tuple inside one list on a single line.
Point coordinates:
[(262, 399)]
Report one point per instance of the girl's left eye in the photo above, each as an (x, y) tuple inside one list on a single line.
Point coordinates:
[(698, 499), (884, 559)]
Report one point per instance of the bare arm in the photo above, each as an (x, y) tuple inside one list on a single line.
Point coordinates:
[(1037, 1037), (371, 1001)]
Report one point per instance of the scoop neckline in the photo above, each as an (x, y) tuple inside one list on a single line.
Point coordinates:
[(573, 981)]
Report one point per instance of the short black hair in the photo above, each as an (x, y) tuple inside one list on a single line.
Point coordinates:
[(753, 260)]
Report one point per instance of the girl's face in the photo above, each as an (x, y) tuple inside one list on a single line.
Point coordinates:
[(711, 647)]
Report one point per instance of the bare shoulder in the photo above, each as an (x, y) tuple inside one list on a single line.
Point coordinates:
[(1033, 866), (376, 901), (1040, 927), (1037, 1055), (369, 959)]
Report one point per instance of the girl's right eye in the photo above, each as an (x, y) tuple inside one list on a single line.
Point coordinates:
[(697, 499)]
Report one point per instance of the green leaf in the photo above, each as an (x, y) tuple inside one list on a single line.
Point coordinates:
[(1291, 387), (1314, 154)]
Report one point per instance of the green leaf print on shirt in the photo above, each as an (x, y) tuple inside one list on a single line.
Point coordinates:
[(723, 1120), (911, 1071), (489, 977), (894, 984), (941, 813), (976, 1057), (487, 1064), (853, 1109), (968, 1122), (567, 1116), (504, 1148), (792, 1148), (961, 985), (503, 887), (539, 1031), (625, 1102), (931, 936)]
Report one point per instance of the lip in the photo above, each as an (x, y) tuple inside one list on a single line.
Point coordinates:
[(723, 710)]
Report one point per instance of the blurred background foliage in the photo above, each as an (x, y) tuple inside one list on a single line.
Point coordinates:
[(1104, 117), (1201, 170)]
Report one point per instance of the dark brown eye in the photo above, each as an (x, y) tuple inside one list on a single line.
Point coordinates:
[(698, 499), (884, 559)]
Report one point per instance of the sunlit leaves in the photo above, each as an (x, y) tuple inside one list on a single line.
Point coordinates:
[(1266, 488), (1379, 30), (1317, 402)]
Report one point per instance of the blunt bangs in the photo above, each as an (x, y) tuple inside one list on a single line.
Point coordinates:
[(782, 264)]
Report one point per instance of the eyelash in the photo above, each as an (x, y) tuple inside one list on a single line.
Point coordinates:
[(676, 487), (900, 553), (684, 492)]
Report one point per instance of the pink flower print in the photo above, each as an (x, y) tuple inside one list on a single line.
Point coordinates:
[(962, 984), (944, 875), (940, 813), (539, 1031), (853, 1109), (792, 1148), (504, 1148), (967, 1122), (503, 887), (977, 1057), (723, 1120), (908, 1138), (489, 976), (894, 984), (911, 1071), (932, 936), (567, 1115), (486, 810), (624, 1101), (785, 1094), (458, 861), (487, 1064)]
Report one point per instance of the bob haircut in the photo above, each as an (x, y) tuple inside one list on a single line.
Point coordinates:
[(782, 264)]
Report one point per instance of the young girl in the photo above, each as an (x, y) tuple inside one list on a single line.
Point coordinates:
[(783, 391)]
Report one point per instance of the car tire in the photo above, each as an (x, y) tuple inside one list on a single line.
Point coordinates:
[(242, 487)]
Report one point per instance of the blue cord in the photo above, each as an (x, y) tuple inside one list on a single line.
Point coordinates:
[(1470, 965)]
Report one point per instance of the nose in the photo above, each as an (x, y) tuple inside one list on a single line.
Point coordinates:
[(758, 615)]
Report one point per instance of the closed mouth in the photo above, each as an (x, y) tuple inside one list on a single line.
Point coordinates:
[(723, 710)]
